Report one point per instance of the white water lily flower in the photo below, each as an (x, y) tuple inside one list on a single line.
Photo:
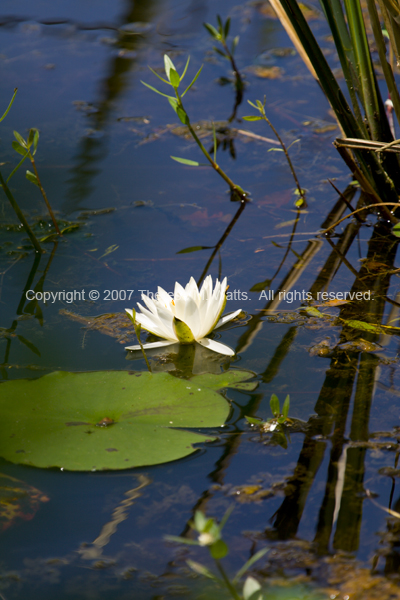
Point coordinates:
[(187, 318)]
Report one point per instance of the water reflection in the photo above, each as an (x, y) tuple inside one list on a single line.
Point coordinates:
[(93, 148)]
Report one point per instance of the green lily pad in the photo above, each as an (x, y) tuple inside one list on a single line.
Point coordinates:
[(108, 419)]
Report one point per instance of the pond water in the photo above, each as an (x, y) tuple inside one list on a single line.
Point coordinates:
[(317, 498)]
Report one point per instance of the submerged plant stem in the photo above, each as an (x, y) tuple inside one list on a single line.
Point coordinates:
[(299, 188), (44, 195), (137, 331), (235, 188), (228, 584), (20, 215)]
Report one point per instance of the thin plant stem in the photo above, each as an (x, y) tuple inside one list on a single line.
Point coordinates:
[(357, 211), (228, 584), (137, 331), (222, 240), (20, 215), (300, 190), (44, 195), (235, 188), (347, 203), (17, 167)]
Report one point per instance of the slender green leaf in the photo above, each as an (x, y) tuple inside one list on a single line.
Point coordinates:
[(35, 141), (181, 540), (252, 118), (252, 104), (132, 316), (32, 178), (186, 161), (227, 27), (30, 137), (194, 249), (186, 68), (26, 154), (290, 145), (202, 570), (226, 517), (274, 404), (20, 139), (109, 250), (157, 91), (18, 148), (212, 31), (220, 52), (286, 406), (70, 228), (367, 326), (159, 76), (220, 24), (9, 106), (364, 63), (195, 77), (274, 150)]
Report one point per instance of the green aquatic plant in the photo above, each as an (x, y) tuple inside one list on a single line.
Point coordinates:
[(28, 148), (174, 80), (365, 117), (210, 537), (11, 198), (137, 326), (279, 422), (278, 418), (260, 106)]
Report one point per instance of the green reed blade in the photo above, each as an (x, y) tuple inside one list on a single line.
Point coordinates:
[(364, 64)]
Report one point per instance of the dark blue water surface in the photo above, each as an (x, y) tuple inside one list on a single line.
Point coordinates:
[(105, 143)]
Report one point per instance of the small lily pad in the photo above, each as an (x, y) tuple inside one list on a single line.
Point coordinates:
[(109, 419)]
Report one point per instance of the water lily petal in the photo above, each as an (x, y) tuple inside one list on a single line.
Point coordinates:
[(227, 318), (151, 345), (150, 304), (164, 298), (191, 317), (193, 291), (154, 327), (215, 306), (205, 295), (159, 324), (216, 347)]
